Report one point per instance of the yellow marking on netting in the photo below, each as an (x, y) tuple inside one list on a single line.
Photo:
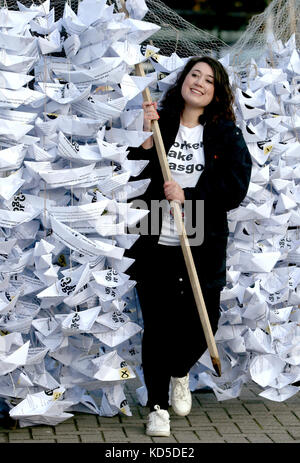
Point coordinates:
[(62, 261), (268, 149), (152, 54), (124, 373), (56, 395), (104, 88)]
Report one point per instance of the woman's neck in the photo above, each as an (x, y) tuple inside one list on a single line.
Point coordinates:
[(190, 117)]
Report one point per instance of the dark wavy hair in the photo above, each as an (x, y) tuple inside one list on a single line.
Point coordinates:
[(221, 105)]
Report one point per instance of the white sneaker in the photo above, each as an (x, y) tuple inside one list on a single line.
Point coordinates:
[(158, 423), (181, 397)]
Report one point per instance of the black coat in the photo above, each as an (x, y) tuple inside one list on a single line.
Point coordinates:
[(222, 185)]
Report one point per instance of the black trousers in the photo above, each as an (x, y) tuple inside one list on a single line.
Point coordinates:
[(173, 338)]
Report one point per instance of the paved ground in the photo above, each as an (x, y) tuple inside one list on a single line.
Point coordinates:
[(248, 419)]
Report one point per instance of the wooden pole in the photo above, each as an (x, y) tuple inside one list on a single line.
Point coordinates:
[(188, 257), (293, 17)]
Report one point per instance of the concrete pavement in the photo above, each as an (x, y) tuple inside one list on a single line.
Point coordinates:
[(247, 419)]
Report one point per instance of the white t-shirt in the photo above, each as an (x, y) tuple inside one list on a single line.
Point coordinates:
[(186, 162)]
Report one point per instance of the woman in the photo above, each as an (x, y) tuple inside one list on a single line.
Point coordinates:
[(209, 161)]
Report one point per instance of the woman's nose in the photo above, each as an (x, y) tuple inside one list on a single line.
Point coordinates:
[(199, 81)]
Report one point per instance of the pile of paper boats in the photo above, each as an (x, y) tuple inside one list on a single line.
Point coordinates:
[(70, 109), (258, 335), (68, 313)]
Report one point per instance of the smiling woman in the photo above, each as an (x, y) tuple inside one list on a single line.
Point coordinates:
[(220, 107), (197, 91), (209, 162)]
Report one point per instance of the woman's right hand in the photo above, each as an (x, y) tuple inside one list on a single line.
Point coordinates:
[(150, 114)]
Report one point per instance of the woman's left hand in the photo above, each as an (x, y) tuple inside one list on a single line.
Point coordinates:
[(173, 191)]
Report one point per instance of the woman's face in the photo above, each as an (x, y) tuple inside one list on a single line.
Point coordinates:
[(198, 87)]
